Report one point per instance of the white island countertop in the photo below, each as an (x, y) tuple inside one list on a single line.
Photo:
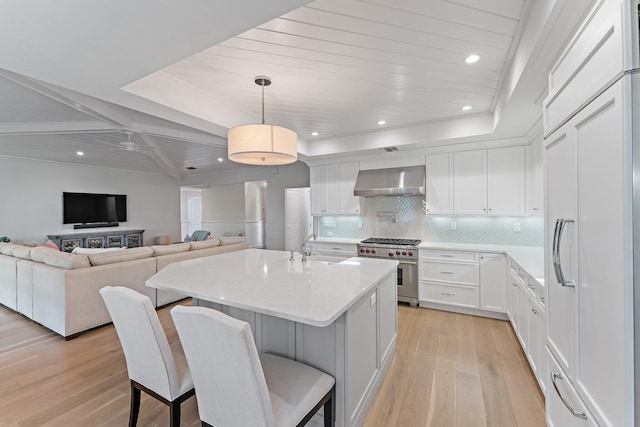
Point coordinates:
[(265, 281)]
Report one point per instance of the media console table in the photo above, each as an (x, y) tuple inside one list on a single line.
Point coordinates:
[(102, 239)]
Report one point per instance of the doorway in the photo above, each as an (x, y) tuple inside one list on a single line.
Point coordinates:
[(297, 217)]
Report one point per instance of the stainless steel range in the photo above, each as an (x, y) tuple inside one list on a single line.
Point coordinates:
[(403, 250)]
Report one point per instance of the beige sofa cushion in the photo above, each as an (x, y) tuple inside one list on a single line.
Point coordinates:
[(204, 244), (67, 261), (39, 252), (20, 251), (170, 249), (120, 256), (7, 249), (232, 240)]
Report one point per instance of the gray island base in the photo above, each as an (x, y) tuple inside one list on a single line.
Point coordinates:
[(338, 317)]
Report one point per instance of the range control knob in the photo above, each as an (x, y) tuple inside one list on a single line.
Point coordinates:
[(404, 253), (390, 253), (373, 251), (368, 251), (410, 253), (361, 250), (397, 252)]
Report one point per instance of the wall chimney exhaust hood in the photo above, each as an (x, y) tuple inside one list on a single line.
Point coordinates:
[(408, 181)]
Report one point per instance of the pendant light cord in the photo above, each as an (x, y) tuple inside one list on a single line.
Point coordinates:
[(262, 101)]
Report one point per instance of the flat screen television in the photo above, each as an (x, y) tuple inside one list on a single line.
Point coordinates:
[(87, 208)]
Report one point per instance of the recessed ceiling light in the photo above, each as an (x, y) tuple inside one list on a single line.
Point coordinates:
[(314, 133), (79, 153), (191, 168), (471, 59), (382, 122), (466, 108), (220, 159)]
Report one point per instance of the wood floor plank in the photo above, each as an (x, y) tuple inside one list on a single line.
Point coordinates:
[(499, 411), (449, 370)]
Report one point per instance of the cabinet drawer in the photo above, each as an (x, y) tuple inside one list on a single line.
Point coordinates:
[(562, 394), (335, 248), (463, 296), (450, 272), (449, 255)]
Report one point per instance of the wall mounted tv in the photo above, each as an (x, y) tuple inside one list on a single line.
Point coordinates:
[(93, 210)]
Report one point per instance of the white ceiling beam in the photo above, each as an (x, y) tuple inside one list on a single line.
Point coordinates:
[(55, 128), (85, 104), (158, 156), (179, 134)]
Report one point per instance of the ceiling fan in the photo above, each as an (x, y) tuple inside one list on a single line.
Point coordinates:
[(128, 145)]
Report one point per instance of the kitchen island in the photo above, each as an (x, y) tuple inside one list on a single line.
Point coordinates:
[(338, 317)]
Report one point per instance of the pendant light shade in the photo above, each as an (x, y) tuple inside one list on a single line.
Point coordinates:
[(261, 144)]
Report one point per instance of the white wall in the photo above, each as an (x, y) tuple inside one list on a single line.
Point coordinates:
[(255, 193), (295, 175), (31, 198), (223, 202)]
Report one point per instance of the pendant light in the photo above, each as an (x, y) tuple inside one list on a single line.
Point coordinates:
[(261, 144)]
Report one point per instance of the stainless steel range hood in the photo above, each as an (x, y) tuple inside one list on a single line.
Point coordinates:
[(408, 181)]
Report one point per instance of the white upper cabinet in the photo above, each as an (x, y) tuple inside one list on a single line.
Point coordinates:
[(439, 185), (599, 51), (348, 203), (470, 182), (489, 182), (332, 189), (506, 181)]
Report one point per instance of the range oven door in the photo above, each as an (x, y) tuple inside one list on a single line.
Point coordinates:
[(408, 282)]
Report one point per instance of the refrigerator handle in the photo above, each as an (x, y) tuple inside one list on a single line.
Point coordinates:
[(561, 223), (554, 250)]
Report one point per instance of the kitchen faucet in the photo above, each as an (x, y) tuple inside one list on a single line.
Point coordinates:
[(303, 246)]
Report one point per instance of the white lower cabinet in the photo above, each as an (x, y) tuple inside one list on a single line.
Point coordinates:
[(527, 316), (449, 277), (492, 282)]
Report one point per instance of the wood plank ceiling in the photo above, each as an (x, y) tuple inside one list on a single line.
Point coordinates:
[(340, 66)]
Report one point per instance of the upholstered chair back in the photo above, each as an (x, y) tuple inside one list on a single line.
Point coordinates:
[(230, 385), (146, 349)]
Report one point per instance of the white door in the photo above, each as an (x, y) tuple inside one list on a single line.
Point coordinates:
[(298, 221), (316, 180), (560, 190), (194, 214), (470, 182)]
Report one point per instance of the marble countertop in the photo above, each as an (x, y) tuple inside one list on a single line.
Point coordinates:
[(530, 258), (265, 281)]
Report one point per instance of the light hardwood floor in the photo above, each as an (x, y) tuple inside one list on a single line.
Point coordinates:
[(449, 370)]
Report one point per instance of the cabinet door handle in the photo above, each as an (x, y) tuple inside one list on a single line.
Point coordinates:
[(557, 264), (446, 272), (534, 311), (530, 286), (448, 294), (554, 376), (446, 256)]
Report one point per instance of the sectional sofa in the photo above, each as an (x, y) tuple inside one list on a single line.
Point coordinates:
[(60, 290)]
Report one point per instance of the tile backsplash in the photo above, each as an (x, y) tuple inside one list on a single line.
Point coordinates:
[(404, 217)]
